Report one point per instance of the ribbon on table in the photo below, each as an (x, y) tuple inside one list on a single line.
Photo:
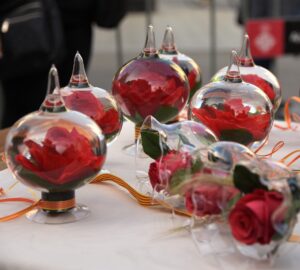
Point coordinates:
[(287, 114)]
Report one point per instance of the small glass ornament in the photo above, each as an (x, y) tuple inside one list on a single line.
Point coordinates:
[(79, 95), (232, 109), (167, 152), (55, 151), (192, 70), (254, 74), (149, 85)]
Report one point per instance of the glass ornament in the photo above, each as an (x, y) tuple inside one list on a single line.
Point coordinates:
[(55, 151), (150, 85), (276, 188), (232, 109), (244, 218), (165, 151), (192, 70), (79, 95), (254, 74)]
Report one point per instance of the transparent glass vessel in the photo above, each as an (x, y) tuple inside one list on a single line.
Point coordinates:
[(244, 219), (254, 74), (164, 151), (232, 109), (55, 151), (79, 95), (149, 85), (192, 70)]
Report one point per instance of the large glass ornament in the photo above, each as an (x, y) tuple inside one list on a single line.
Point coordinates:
[(254, 74), (55, 151), (232, 109), (150, 85), (97, 103), (192, 70), (257, 207)]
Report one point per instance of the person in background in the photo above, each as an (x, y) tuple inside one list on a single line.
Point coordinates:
[(24, 92)]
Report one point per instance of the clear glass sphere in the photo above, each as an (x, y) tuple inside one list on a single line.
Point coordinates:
[(233, 110), (149, 85), (55, 151), (189, 66), (256, 75), (92, 101)]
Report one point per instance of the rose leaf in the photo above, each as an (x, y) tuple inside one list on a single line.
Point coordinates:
[(245, 180), (152, 144)]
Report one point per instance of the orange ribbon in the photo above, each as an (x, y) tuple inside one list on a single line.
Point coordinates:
[(19, 213), (287, 114), (57, 205), (137, 132)]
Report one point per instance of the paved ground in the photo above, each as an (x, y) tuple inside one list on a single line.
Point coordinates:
[(190, 22)]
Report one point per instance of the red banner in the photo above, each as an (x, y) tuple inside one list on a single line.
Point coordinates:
[(266, 37)]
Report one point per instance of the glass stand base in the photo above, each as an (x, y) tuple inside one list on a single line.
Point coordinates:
[(72, 215)]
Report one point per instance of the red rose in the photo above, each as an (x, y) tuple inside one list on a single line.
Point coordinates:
[(262, 84), (192, 76), (62, 157), (251, 218), (233, 116), (86, 103), (208, 198), (110, 122), (161, 171), (156, 85)]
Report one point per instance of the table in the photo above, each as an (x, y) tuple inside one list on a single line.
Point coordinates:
[(119, 234)]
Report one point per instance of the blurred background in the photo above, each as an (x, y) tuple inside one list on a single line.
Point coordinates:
[(206, 30)]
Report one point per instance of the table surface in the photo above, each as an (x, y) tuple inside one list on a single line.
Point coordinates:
[(119, 233)]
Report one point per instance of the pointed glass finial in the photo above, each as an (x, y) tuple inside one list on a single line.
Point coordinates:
[(53, 101), (168, 44), (78, 77), (245, 54), (53, 81), (233, 71), (150, 46)]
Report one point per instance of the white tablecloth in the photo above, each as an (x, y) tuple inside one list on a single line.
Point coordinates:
[(119, 234)]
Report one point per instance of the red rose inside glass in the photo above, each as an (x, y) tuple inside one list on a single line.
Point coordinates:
[(86, 102), (251, 218), (233, 121), (192, 70), (208, 198), (63, 158), (262, 84), (150, 87), (162, 169)]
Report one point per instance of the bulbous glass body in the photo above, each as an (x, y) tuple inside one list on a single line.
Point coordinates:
[(234, 111), (189, 66), (98, 104), (55, 151), (149, 85), (260, 77)]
